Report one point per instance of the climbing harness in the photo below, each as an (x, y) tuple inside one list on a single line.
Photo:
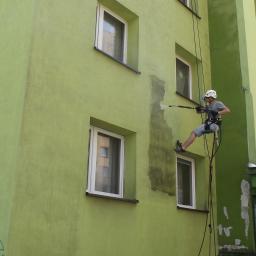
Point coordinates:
[(209, 121)]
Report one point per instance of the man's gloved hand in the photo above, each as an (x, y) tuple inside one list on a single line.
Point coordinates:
[(201, 109)]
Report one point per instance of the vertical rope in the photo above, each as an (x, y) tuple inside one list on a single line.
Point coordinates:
[(193, 6)]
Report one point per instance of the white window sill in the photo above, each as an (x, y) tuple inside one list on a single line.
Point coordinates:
[(192, 209), (126, 200)]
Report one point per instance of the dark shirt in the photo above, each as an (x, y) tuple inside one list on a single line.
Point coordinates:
[(215, 106)]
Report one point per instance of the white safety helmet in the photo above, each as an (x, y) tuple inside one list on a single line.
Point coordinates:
[(210, 93)]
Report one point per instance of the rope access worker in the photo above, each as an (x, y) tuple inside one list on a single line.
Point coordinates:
[(214, 109)]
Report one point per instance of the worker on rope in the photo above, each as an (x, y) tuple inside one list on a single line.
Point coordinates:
[(214, 109)]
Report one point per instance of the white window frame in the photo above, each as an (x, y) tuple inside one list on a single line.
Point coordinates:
[(99, 29), (190, 75), (92, 162), (193, 189)]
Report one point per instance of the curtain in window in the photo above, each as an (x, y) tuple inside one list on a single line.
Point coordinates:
[(113, 37), (108, 164), (182, 78)]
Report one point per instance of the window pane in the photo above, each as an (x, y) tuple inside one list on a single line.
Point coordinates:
[(108, 164), (184, 182), (182, 78), (113, 36)]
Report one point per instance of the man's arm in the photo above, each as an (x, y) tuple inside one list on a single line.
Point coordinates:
[(224, 111)]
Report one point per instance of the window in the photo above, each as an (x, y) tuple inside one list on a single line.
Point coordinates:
[(183, 78), (185, 182), (111, 34), (186, 2), (106, 163), (191, 4)]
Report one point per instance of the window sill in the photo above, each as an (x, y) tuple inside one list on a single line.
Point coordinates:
[(193, 210), (188, 8), (120, 62), (126, 200), (192, 101)]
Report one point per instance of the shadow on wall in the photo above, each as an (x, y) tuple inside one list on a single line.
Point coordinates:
[(161, 156)]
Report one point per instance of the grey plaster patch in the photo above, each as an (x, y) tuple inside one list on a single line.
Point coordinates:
[(161, 155)]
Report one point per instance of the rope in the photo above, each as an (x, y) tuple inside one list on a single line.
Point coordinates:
[(210, 215), (206, 146)]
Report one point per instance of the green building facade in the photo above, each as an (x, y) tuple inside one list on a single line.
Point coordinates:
[(87, 159), (233, 55)]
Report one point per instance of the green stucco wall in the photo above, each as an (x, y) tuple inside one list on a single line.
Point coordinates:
[(64, 84), (15, 30), (234, 80)]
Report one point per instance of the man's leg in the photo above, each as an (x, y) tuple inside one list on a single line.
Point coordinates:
[(181, 147), (189, 140)]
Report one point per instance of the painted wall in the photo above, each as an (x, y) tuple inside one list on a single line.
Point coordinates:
[(15, 30), (233, 75), (67, 83)]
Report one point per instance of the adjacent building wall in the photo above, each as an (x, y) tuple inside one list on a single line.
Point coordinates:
[(232, 37)]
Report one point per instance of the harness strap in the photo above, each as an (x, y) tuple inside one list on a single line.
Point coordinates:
[(208, 122)]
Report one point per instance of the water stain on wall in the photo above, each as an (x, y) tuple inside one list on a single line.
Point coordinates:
[(161, 155)]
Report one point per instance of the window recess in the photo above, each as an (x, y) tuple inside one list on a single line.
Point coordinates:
[(106, 163), (191, 5), (111, 36), (117, 33), (183, 78), (186, 182)]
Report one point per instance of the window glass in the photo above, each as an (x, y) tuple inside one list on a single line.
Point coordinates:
[(183, 78), (107, 164), (113, 36), (184, 172)]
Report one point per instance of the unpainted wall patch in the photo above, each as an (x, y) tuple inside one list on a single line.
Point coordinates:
[(227, 231), (245, 189), (161, 157), (237, 242), (233, 247), (224, 230), (225, 211)]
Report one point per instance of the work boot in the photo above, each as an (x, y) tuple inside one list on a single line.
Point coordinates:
[(178, 147)]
